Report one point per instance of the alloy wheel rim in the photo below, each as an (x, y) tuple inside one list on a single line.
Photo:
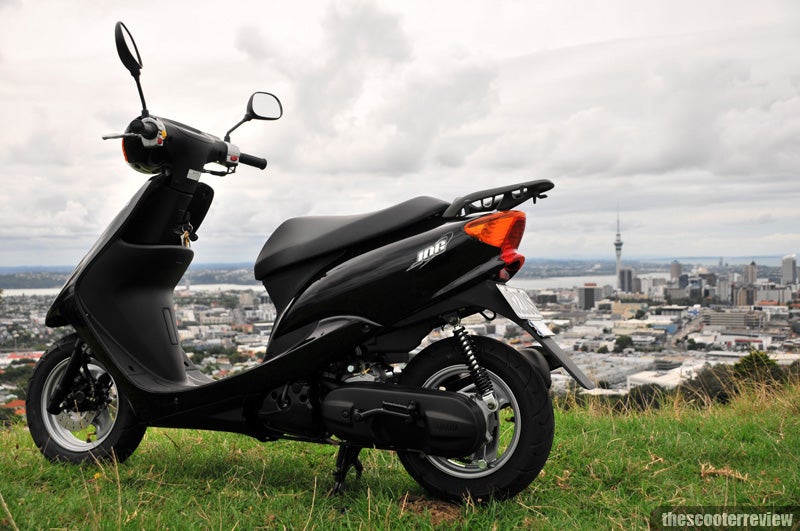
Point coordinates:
[(492, 456), (79, 431)]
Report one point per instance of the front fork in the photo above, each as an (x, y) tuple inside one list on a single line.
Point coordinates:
[(76, 361)]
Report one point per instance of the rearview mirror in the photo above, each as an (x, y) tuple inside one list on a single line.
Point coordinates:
[(126, 47), (264, 106), (260, 106)]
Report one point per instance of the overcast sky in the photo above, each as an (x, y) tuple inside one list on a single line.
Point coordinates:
[(684, 116)]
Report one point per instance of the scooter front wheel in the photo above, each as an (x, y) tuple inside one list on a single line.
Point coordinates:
[(106, 429), (521, 429)]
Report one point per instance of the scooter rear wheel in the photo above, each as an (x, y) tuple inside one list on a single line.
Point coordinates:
[(108, 431), (522, 427)]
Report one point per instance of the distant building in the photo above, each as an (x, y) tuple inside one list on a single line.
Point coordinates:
[(674, 311), (751, 273), (723, 289), (653, 286), (772, 292), (675, 270), (789, 270), (547, 297), (744, 295), (588, 295), (695, 287), (676, 293), (625, 280), (740, 319)]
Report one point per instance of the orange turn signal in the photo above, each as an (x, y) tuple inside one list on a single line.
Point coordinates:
[(503, 230)]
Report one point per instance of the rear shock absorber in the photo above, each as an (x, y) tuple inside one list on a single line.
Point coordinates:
[(478, 373)]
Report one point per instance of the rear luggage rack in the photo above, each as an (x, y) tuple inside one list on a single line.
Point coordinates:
[(502, 198)]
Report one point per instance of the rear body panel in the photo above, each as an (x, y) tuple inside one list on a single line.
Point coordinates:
[(386, 284)]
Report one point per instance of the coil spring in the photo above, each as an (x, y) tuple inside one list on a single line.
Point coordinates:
[(478, 373)]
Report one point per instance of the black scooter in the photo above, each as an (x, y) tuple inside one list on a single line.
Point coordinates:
[(355, 295)]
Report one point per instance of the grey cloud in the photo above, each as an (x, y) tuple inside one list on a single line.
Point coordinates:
[(42, 147), (361, 30), (404, 126), (650, 107), (361, 106), (358, 43), (250, 40), (453, 149), (764, 219), (761, 139), (448, 99)]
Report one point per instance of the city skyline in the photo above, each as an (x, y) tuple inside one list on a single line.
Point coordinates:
[(742, 260), (686, 115)]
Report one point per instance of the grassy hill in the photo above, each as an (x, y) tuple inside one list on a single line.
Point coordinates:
[(606, 470)]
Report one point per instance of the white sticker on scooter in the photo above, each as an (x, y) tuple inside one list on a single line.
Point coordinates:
[(432, 251)]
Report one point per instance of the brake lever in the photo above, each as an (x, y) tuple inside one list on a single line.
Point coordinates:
[(219, 173), (120, 135), (157, 128)]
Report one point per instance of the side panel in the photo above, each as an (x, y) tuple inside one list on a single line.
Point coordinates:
[(121, 292), (392, 282), (150, 217), (282, 285), (127, 294), (57, 315)]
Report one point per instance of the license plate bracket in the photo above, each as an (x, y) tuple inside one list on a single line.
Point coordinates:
[(525, 308)]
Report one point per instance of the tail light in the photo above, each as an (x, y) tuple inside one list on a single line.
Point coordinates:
[(503, 230)]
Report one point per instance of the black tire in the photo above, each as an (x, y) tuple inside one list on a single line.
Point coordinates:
[(516, 456), (108, 432)]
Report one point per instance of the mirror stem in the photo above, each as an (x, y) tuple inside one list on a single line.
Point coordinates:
[(246, 118), (145, 112)]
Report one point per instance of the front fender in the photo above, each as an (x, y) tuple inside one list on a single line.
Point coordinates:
[(487, 296)]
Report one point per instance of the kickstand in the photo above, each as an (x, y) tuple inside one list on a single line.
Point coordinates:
[(346, 458)]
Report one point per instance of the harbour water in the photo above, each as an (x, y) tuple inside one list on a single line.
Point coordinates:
[(562, 282), (52, 292), (572, 282)]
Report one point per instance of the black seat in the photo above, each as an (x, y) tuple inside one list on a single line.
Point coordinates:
[(298, 239)]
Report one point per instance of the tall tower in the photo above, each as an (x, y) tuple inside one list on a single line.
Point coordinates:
[(618, 250)]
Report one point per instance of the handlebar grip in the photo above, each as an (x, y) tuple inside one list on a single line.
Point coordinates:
[(148, 130), (250, 160)]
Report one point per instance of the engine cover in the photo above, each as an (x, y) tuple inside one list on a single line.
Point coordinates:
[(396, 417)]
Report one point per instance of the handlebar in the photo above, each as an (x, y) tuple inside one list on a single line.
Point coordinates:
[(187, 148), (251, 160)]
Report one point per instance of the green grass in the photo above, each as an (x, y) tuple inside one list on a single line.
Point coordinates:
[(605, 471)]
